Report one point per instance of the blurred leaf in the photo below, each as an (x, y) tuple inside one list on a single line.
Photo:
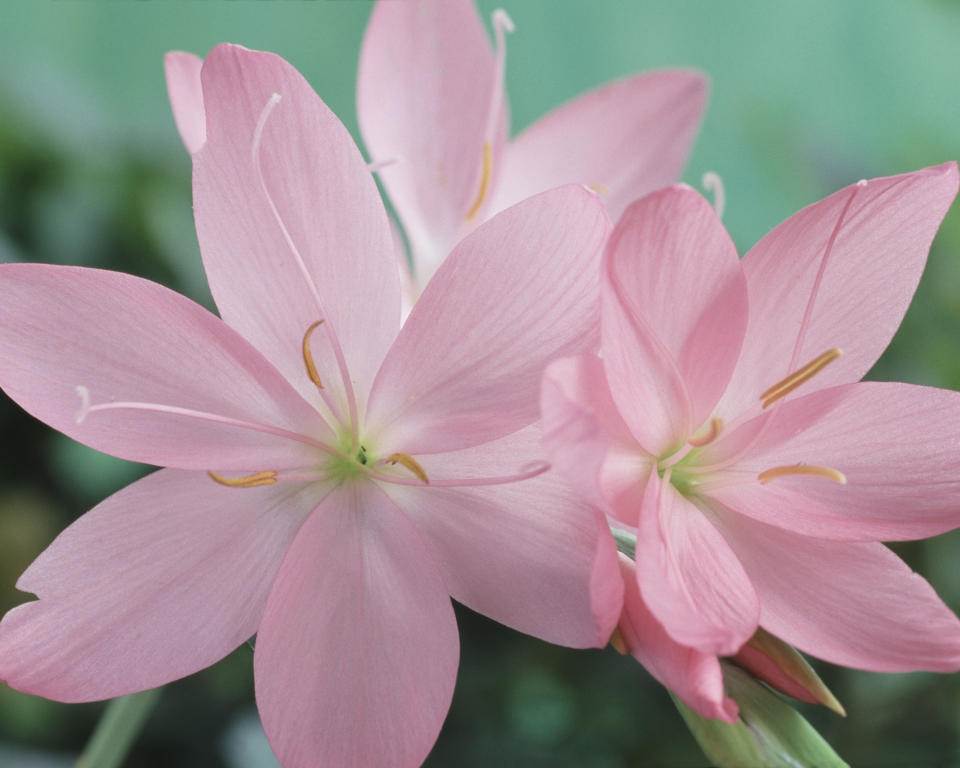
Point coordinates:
[(770, 732)]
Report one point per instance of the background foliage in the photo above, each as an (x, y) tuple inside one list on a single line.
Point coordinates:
[(805, 99)]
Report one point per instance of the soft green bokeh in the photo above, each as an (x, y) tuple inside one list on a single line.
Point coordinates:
[(806, 97)]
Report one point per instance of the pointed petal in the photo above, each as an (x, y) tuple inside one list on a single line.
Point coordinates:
[(127, 339), (625, 138), (784, 669), (186, 97), (855, 604), (584, 436), (518, 292), (343, 269), (425, 87), (689, 577), (357, 651), (160, 580), (896, 445), (868, 279), (695, 677), (527, 554), (674, 313)]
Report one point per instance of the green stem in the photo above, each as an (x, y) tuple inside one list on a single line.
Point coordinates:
[(118, 729)]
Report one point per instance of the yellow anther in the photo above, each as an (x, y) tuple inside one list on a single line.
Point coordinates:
[(785, 386), (600, 189), (484, 180), (248, 481), (802, 469), (410, 463), (701, 438), (618, 643), (308, 356)]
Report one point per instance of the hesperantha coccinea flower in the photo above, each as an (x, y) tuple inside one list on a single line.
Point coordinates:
[(726, 429), (432, 109), (331, 478)]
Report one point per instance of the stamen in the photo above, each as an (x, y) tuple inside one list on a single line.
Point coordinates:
[(600, 189), (249, 481), (800, 376), (502, 24), (484, 181), (410, 463), (802, 469), (713, 183), (700, 439), (308, 356), (618, 643), (308, 278)]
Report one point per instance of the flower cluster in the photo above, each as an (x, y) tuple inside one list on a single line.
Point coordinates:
[(355, 440)]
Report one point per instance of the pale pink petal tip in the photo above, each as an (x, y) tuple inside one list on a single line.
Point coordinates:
[(186, 97)]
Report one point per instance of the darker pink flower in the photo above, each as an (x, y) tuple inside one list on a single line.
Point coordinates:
[(726, 429), (430, 95), (359, 472)]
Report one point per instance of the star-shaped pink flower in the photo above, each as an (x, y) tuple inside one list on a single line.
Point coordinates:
[(726, 427), (331, 478), (430, 96)]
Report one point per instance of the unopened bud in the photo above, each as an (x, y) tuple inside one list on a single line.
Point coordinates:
[(781, 667)]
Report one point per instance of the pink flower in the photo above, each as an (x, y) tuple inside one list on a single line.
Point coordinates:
[(725, 429), (430, 96), (375, 470)]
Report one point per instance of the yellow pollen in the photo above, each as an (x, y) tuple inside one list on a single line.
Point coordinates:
[(249, 481), (802, 469), (785, 386), (701, 438), (308, 356), (484, 181), (410, 463), (600, 189)]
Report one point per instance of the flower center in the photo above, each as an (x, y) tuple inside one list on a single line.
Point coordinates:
[(688, 473)]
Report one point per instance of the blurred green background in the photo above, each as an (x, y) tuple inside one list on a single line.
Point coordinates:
[(806, 97)]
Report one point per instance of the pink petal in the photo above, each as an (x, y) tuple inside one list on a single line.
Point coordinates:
[(674, 312), (855, 604), (896, 445), (527, 554), (689, 578), (186, 97), (585, 438), (695, 677), (868, 279), (425, 87), (341, 266), (518, 292), (626, 138), (129, 340), (160, 580), (357, 651)]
